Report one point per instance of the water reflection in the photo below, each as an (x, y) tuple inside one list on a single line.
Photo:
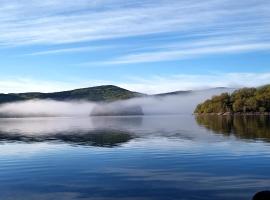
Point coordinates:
[(50, 125), (246, 127), (118, 122), (115, 131), (157, 158), (98, 131), (96, 138), (102, 132)]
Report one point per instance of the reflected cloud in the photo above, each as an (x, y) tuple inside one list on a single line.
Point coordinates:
[(161, 158), (116, 131), (141, 126), (121, 122), (60, 130)]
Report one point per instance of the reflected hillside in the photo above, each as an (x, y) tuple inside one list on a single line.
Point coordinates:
[(92, 138), (246, 127)]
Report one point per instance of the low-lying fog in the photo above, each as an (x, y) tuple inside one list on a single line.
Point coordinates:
[(171, 104)]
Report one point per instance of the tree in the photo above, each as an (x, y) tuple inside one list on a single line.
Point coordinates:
[(242, 100)]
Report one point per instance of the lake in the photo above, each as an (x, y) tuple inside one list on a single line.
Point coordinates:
[(170, 157)]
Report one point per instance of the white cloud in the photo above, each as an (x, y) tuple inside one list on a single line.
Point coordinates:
[(68, 50), (58, 21), (187, 53), (17, 85), (24, 25)]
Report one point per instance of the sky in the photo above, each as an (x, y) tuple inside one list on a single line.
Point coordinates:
[(149, 46)]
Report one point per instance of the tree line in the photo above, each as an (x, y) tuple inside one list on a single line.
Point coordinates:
[(240, 101)]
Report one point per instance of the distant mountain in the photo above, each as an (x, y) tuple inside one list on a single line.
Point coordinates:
[(105, 93), (178, 102), (97, 94), (191, 92), (5, 98), (174, 93)]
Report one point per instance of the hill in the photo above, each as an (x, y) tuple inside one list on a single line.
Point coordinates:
[(245, 100), (179, 102), (97, 94), (174, 93)]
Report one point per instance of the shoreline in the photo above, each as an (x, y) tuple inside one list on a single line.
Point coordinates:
[(235, 114)]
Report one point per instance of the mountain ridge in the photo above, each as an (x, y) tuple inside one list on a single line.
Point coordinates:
[(103, 93), (95, 94)]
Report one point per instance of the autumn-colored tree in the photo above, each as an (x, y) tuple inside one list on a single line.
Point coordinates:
[(242, 100)]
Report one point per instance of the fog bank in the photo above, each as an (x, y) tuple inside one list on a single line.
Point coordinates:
[(40, 108), (183, 103)]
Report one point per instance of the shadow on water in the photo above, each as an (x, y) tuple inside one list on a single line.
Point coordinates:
[(244, 127)]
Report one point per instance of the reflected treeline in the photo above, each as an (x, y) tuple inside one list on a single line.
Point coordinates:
[(92, 138), (246, 127)]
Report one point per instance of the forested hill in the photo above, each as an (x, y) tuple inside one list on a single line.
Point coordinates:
[(99, 93), (246, 100)]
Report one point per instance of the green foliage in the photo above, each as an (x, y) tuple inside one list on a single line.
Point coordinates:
[(101, 93), (242, 100), (218, 104)]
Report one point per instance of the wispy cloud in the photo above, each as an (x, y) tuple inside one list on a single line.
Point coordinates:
[(212, 26), (58, 22), (148, 85), (187, 53), (68, 50)]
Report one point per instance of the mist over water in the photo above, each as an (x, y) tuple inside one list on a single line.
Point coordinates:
[(74, 155), (166, 154), (184, 103), (125, 157), (171, 104), (46, 108)]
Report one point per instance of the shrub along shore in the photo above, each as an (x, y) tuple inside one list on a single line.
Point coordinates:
[(245, 101)]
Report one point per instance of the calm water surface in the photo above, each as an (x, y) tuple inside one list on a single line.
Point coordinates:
[(150, 157)]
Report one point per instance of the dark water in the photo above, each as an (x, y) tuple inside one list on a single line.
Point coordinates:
[(150, 157)]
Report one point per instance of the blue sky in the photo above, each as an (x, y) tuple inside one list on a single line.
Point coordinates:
[(149, 46)]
